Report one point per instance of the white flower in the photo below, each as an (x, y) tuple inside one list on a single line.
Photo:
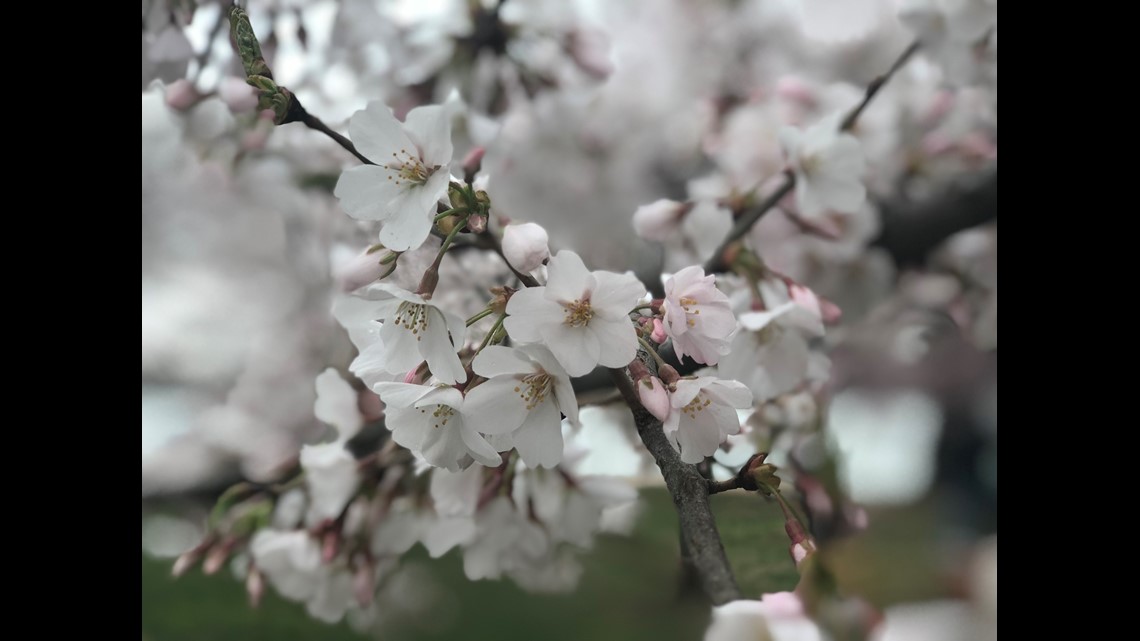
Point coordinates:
[(525, 246), (581, 316), (828, 166), (526, 395), (776, 617), (413, 330), (658, 220), (698, 316), (411, 174), (330, 470), (773, 356), (429, 420), (505, 539), (291, 561), (704, 415), (952, 32)]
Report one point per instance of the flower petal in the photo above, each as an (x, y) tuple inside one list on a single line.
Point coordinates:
[(429, 127), (576, 348), (480, 449), (539, 439), (529, 310), (617, 341), (569, 279), (365, 192), (497, 360), (615, 294), (494, 407)]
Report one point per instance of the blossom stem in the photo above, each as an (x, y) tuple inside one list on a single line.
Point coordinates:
[(649, 348), (494, 330), (480, 316), (641, 307), (449, 212)]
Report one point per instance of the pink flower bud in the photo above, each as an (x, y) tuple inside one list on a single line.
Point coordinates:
[(181, 95), (330, 545), (477, 224), (654, 397), (254, 586), (658, 336), (525, 246), (237, 95), (473, 162), (360, 271), (831, 312), (658, 220), (216, 557), (364, 584)]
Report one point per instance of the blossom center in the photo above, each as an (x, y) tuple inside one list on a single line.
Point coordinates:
[(695, 406), (578, 313), (409, 169), (440, 415), (688, 304), (534, 389), (412, 317)]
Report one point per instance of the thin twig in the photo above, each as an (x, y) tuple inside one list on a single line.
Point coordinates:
[(312, 122)]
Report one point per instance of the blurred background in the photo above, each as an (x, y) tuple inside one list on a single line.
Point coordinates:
[(587, 110)]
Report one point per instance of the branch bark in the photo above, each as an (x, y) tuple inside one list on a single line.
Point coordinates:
[(703, 556)]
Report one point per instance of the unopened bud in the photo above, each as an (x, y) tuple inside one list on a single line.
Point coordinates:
[(330, 544), (217, 556), (658, 220), (658, 336), (181, 95), (447, 224), (254, 586), (654, 397), (525, 246), (364, 583), (456, 197), (428, 283), (477, 223), (191, 557), (359, 271), (472, 163)]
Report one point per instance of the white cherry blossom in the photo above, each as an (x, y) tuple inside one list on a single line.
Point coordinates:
[(525, 246), (410, 177), (704, 415), (581, 316), (412, 331), (429, 420), (330, 470), (698, 316), (772, 356), (525, 396), (828, 166)]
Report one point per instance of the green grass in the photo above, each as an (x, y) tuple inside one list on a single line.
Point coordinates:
[(628, 591)]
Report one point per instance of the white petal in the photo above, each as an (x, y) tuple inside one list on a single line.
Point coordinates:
[(337, 404), (576, 348), (529, 310), (494, 407), (438, 351), (376, 133), (446, 533), (400, 394), (365, 192), (539, 440), (617, 341), (429, 127), (567, 400), (615, 294), (497, 360), (698, 436), (757, 321), (569, 279), (480, 449), (443, 446), (408, 226), (403, 348)]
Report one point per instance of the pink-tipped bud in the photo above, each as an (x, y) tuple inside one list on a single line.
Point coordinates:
[(473, 162), (830, 311), (254, 586), (217, 556), (658, 336), (806, 299), (359, 271), (237, 94), (658, 220), (186, 561), (525, 246), (330, 544), (364, 583), (181, 95), (654, 397), (477, 224), (412, 377)]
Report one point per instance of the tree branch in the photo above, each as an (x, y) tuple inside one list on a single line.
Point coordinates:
[(703, 554)]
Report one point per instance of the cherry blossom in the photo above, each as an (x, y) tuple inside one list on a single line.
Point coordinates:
[(581, 316), (704, 415), (429, 420), (525, 397), (698, 316), (412, 331), (525, 246), (411, 174), (828, 166)]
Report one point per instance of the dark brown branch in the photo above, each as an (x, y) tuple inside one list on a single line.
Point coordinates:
[(703, 553), (876, 85), (312, 122)]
